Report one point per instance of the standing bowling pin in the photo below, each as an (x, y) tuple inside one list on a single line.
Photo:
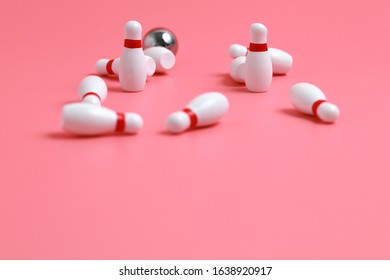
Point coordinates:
[(281, 61), (258, 65), (132, 67), (106, 66), (203, 110), (88, 119), (309, 99), (92, 89), (164, 58)]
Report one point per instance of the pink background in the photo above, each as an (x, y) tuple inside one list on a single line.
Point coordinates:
[(266, 183)]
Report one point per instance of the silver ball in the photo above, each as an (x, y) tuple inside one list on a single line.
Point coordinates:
[(161, 37)]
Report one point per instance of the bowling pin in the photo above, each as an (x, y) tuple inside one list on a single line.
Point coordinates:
[(236, 50), (132, 67), (88, 119), (281, 60), (164, 58), (309, 99), (258, 65), (106, 66), (150, 66), (237, 69), (92, 89), (205, 109)]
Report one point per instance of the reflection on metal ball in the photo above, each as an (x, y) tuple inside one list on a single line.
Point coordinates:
[(161, 37)]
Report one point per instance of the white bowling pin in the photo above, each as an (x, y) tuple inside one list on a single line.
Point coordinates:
[(237, 69), (150, 66), (164, 58), (203, 110), (258, 65), (106, 66), (92, 89), (281, 60), (132, 67), (236, 50), (88, 119), (309, 99)]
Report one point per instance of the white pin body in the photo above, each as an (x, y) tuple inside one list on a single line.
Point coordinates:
[(101, 66), (132, 67), (258, 65), (178, 122), (237, 69), (281, 61), (92, 89), (164, 58), (150, 66), (132, 70), (304, 95), (88, 119), (236, 50), (208, 107)]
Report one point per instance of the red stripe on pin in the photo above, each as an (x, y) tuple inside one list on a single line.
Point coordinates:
[(92, 93), (315, 106), (133, 44), (258, 47), (192, 116), (120, 122), (109, 67)]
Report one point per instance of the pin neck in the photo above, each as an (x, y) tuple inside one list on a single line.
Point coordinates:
[(315, 106), (132, 44), (258, 47), (109, 67), (92, 94), (192, 116), (120, 122)]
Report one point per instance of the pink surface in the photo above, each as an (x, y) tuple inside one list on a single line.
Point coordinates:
[(266, 183)]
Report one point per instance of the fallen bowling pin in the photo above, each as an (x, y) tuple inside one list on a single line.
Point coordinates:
[(92, 89), (150, 66), (237, 69), (281, 60), (205, 109), (164, 58), (236, 50), (258, 65), (309, 99), (106, 66), (132, 70), (88, 119)]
